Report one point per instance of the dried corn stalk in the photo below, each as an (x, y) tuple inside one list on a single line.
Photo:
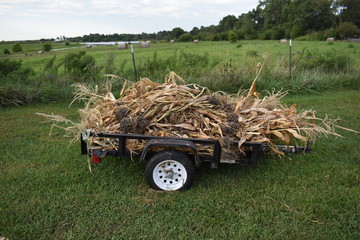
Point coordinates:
[(192, 111)]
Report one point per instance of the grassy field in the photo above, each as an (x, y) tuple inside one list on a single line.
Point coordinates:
[(220, 66), (47, 191), (221, 52)]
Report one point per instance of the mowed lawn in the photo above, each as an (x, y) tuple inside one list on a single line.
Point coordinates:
[(47, 191)]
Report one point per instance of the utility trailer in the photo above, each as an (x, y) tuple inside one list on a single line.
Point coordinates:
[(171, 161)]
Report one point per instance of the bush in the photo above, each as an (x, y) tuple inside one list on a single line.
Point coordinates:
[(186, 37), (223, 36), (78, 64), (216, 37), (16, 47), (347, 29), (6, 51), (266, 35), (241, 34), (8, 66), (277, 33), (330, 32), (232, 37), (47, 47)]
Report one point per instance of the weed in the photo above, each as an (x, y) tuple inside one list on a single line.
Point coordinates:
[(251, 53)]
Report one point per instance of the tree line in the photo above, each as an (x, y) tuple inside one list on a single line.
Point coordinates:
[(271, 19)]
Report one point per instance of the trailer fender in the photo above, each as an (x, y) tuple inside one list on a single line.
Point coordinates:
[(171, 144)]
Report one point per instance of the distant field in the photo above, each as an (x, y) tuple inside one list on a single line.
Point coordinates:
[(47, 191), (222, 52)]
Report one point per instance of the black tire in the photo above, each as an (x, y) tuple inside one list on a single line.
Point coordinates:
[(169, 170)]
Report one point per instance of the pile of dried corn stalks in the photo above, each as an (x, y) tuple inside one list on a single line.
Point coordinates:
[(192, 111)]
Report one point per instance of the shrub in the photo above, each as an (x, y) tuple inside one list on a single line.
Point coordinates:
[(78, 64), (277, 33), (8, 66), (347, 29), (47, 47), (266, 35), (216, 37), (232, 37), (223, 36), (16, 47), (6, 51), (330, 32), (186, 37)]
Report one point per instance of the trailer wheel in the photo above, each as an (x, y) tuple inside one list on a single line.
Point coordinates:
[(169, 171)]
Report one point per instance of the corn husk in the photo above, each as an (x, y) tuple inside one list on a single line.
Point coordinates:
[(176, 109)]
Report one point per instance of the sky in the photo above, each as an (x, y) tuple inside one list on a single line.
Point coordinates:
[(36, 19)]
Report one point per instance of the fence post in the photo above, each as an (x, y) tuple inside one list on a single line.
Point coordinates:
[(290, 73), (133, 58)]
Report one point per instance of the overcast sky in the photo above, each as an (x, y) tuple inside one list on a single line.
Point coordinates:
[(35, 19)]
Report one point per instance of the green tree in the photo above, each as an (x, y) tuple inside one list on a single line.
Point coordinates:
[(227, 23), (16, 47), (274, 12), (177, 32), (195, 31), (47, 47), (347, 11)]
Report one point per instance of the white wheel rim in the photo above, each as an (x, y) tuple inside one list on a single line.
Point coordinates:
[(169, 175)]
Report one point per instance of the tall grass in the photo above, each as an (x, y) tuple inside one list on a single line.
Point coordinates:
[(313, 70)]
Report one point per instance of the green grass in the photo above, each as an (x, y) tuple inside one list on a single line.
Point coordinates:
[(220, 66), (218, 51), (47, 191)]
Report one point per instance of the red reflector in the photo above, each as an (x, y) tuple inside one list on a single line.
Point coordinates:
[(96, 159)]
